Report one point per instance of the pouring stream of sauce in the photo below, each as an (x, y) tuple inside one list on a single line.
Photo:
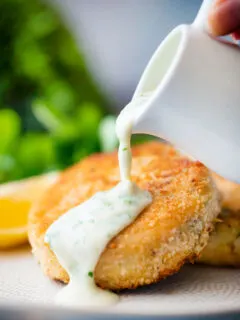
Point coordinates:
[(80, 236)]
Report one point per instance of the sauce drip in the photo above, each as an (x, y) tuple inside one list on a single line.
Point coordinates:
[(80, 235), (124, 126)]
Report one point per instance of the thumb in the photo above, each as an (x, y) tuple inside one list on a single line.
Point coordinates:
[(224, 17)]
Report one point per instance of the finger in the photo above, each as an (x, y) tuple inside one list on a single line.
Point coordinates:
[(224, 17), (236, 35)]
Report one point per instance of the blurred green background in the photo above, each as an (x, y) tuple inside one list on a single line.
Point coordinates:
[(50, 107), (52, 114)]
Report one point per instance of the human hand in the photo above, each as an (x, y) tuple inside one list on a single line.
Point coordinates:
[(224, 18)]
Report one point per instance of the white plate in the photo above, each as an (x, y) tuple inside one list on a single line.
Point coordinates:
[(195, 290)]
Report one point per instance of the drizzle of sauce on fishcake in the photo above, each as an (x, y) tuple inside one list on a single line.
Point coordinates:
[(79, 236)]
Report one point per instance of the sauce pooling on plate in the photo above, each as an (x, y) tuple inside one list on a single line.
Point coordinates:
[(80, 235)]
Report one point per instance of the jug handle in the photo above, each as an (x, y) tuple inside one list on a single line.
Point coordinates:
[(200, 21)]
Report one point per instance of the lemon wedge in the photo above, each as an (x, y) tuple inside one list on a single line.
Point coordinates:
[(16, 199)]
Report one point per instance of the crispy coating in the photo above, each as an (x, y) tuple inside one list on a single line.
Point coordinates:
[(173, 229), (223, 248)]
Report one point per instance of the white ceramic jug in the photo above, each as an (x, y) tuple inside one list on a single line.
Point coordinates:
[(195, 80)]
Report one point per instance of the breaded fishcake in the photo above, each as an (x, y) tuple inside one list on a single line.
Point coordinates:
[(173, 229), (230, 193), (223, 248)]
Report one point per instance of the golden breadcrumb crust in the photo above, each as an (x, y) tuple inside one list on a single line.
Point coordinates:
[(173, 229), (223, 248)]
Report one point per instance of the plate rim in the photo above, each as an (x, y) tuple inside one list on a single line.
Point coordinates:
[(99, 313)]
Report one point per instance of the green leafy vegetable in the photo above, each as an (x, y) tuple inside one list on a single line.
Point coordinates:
[(10, 126), (36, 153), (54, 106), (52, 114)]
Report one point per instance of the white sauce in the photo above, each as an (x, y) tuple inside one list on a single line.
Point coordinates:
[(124, 126), (79, 236)]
